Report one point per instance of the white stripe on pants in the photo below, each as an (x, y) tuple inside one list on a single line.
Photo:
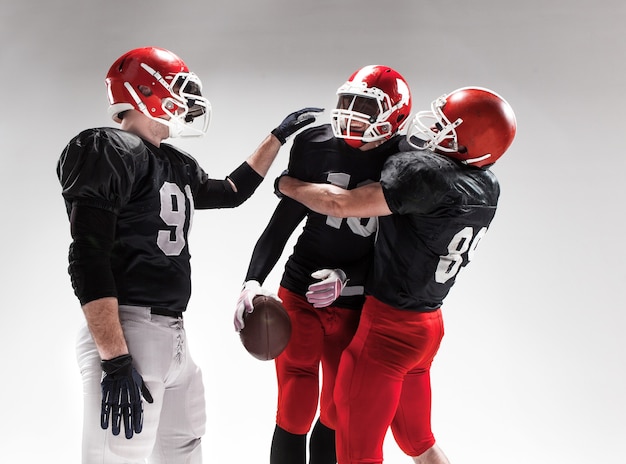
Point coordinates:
[(174, 422)]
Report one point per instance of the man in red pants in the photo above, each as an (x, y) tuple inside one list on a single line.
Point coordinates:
[(374, 104), (435, 200)]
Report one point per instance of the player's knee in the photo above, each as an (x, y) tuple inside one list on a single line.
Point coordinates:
[(295, 427), (295, 420), (414, 447)]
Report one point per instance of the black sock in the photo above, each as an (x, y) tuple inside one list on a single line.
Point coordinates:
[(287, 448), (322, 445)]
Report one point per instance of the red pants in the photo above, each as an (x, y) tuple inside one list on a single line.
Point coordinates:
[(384, 380), (317, 336)]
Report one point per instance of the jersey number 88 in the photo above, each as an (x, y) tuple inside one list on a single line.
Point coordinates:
[(464, 242)]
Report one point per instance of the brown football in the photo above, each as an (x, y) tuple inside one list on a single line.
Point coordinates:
[(267, 329)]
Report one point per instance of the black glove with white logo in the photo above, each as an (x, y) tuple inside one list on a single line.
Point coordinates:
[(294, 122), (122, 388)]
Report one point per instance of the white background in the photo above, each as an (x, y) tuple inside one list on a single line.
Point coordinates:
[(532, 365)]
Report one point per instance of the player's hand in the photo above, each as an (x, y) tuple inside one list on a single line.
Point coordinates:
[(294, 122), (322, 294), (122, 388), (251, 288)]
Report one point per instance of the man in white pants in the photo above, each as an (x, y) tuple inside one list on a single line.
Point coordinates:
[(130, 199), (175, 420)]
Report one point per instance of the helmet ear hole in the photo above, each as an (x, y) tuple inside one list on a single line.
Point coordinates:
[(145, 90)]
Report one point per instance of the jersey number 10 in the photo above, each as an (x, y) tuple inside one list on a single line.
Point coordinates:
[(356, 225)]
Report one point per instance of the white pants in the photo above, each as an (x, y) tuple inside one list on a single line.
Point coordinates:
[(174, 422)]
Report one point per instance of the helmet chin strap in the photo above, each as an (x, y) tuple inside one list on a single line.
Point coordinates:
[(174, 132), (175, 128)]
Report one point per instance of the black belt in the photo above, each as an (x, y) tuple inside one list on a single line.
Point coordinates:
[(166, 312)]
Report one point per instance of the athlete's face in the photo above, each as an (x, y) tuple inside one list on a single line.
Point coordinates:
[(359, 104), (187, 89), (362, 105)]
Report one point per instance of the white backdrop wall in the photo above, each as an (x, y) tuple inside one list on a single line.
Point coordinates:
[(532, 365)]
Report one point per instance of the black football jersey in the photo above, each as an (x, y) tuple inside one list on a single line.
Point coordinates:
[(325, 242), (441, 211), (153, 191)]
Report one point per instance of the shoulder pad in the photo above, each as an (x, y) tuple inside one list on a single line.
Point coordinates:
[(99, 165), (316, 134)]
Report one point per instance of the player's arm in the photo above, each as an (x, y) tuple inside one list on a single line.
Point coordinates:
[(102, 316), (365, 201), (244, 180), (93, 231), (270, 245), (263, 157), (92, 226), (267, 251)]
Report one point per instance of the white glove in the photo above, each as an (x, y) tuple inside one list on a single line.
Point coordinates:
[(322, 294), (244, 304)]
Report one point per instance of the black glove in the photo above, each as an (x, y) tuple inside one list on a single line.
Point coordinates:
[(122, 387), (294, 122)]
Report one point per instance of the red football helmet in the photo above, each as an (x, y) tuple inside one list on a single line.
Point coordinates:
[(158, 83), (471, 124), (374, 104)]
